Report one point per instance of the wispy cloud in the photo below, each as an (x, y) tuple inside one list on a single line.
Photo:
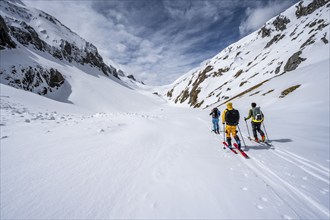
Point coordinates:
[(158, 41)]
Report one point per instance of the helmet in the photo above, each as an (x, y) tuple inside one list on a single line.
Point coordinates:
[(253, 104)]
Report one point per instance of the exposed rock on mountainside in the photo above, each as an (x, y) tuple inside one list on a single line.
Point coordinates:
[(37, 79), (280, 23), (131, 77), (310, 8), (288, 90), (265, 32), (5, 40), (27, 35), (293, 62)]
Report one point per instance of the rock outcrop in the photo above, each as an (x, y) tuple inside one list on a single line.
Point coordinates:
[(35, 79), (293, 62), (5, 39), (310, 8)]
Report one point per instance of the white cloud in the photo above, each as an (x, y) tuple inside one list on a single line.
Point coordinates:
[(199, 9), (116, 15), (121, 47)]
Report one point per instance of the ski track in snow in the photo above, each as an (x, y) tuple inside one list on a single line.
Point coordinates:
[(272, 179), (309, 167)]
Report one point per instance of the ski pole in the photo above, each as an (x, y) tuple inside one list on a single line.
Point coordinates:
[(241, 136), (263, 124), (247, 127), (224, 136)]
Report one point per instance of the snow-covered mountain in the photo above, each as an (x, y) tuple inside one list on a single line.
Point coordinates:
[(35, 47), (287, 43)]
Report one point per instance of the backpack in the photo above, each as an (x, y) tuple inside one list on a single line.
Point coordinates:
[(257, 114), (232, 117), (215, 113)]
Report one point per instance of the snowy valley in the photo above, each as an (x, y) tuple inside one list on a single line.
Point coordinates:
[(81, 140)]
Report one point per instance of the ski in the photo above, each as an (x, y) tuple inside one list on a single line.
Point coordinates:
[(260, 142), (233, 150), (241, 151)]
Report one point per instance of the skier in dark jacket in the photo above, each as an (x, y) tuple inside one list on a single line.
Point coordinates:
[(215, 119), (231, 123), (257, 119)]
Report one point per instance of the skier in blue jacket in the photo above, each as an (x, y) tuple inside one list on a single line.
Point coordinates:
[(215, 119)]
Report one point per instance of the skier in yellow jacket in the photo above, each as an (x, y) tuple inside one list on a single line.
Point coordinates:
[(230, 117)]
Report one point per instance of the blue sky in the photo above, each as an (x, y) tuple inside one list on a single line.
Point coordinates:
[(160, 40)]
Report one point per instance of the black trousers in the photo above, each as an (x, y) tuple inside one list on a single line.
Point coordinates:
[(256, 127)]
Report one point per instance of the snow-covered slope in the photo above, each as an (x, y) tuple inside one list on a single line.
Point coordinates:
[(296, 39)]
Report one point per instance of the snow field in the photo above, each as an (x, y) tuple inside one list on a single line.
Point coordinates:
[(162, 163)]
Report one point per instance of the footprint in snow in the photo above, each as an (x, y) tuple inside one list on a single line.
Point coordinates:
[(260, 207), (244, 188)]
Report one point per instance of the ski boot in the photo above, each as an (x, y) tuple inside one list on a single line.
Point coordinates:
[(238, 141), (239, 145), (229, 142)]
